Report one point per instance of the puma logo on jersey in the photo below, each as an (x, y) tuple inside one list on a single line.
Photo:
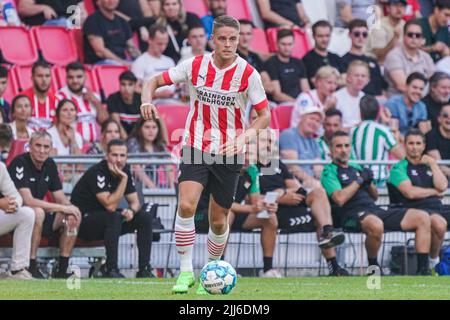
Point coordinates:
[(200, 76), (19, 173), (101, 181)]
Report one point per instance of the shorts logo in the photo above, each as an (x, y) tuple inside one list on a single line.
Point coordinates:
[(299, 220), (101, 181), (19, 173)]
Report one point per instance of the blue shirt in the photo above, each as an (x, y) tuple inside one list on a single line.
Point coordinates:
[(208, 24), (407, 118), (307, 148)]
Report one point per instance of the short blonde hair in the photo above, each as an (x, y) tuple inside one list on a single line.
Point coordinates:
[(225, 21), (327, 71), (358, 63)]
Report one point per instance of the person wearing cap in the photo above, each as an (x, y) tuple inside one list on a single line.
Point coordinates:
[(300, 143), (388, 33)]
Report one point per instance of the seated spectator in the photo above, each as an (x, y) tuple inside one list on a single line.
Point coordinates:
[(388, 33), (320, 56), (14, 217), (196, 41), (66, 140), (438, 139), (216, 8), (108, 37), (124, 105), (9, 16), (153, 61), (51, 12), (244, 49), (438, 96), (407, 110), (351, 189), (177, 21), (347, 10), (322, 96), (435, 30), (148, 137), (358, 32), (419, 183), (35, 174), (21, 113), (90, 112), (43, 100), (331, 124), (98, 194), (110, 131), (406, 59), (4, 105), (300, 143), (287, 74), (374, 141), (277, 13), (349, 97)]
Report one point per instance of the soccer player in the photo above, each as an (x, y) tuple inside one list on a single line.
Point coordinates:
[(418, 182), (220, 86), (350, 187)]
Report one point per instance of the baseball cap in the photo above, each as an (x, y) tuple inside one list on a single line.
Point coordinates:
[(398, 1), (312, 109)]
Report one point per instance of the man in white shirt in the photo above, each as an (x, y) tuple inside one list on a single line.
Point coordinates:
[(348, 97), (154, 62), (196, 41)]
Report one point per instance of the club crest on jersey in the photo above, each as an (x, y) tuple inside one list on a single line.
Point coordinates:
[(344, 177), (19, 173), (101, 181), (414, 172)]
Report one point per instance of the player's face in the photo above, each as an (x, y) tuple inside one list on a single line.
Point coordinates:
[(225, 41), (75, 80), (327, 85), (359, 37), (332, 125), (40, 149), (218, 7), (67, 114), (3, 84), (322, 38), (112, 132), (117, 155), (285, 46), (358, 77), (197, 39), (444, 118), (245, 36), (415, 146), (310, 123), (149, 131), (22, 109), (441, 92), (397, 11), (41, 79), (127, 89), (414, 90), (340, 149), (171, 8)]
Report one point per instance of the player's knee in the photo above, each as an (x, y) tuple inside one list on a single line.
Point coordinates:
[(422, 219), (39, 214), (374, 227), (187, 208), (218, 225), (272, 222), (438, 225)]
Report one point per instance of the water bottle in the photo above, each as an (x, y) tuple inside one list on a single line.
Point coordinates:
[(10, 14)]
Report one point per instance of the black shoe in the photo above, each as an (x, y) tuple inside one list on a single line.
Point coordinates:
[(62, 275), (37, 273), (113, 273), (146, 273), (339, 272), (331, 239)]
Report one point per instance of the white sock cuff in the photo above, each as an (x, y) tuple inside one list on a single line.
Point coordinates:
[(219, 238), (184, 223)]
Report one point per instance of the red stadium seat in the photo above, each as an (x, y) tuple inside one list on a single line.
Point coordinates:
[(57, 44), (259, 43), (108, 78), (18, 46), (239, 9), (12, 89), (89, 5), (18, 147), (174, 117), (274, 123), (283, 114), (196, 6), (91, 80), (77, 35), (23, 74), (301, 44)]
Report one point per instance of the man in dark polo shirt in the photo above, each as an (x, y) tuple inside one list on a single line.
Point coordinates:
[(418, 183), (287, 74), (245, 40), (107, 37), (98, 194), (350, 187), (438, 96), (35, 174), (438, 139)]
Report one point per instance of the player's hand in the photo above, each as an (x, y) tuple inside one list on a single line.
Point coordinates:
[(367, 176), (127, 214), (120, 172), (149, 111), (72, 210), (258, 206), (293, 199), (271, 207), (233, 146), (427, 160)]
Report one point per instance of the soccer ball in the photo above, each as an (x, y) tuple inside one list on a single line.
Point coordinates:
[(218, 277)]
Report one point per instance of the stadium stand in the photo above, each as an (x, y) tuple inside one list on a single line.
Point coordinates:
[(105, 74), (197, 7), (91, 79), (23, 52), (13, 87), (301, 45), (283, 114), (23, 75), (259, 43), (174, 116), (239, 9)]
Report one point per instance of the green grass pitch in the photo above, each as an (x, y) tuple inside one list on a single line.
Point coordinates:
[(317, 288)]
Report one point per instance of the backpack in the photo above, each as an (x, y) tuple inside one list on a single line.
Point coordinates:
[(443, 267)]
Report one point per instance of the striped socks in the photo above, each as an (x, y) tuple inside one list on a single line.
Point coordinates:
[(216, 244), (184, 238)]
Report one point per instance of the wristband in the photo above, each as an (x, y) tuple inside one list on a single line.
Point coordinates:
[(146, 104)]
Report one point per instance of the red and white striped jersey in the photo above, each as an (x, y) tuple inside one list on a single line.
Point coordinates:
[(87, 125), (218, 99), (42, 113)]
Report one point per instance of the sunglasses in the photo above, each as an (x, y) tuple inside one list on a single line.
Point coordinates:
[(416, 35), (445, 115), (358, 34)]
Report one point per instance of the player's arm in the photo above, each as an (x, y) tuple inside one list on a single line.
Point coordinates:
[(437, 156), (413, 193), (440, 182), (341, 197), (110, 201), (133, 201), (373, 191), (30, 201), (148, 91)]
